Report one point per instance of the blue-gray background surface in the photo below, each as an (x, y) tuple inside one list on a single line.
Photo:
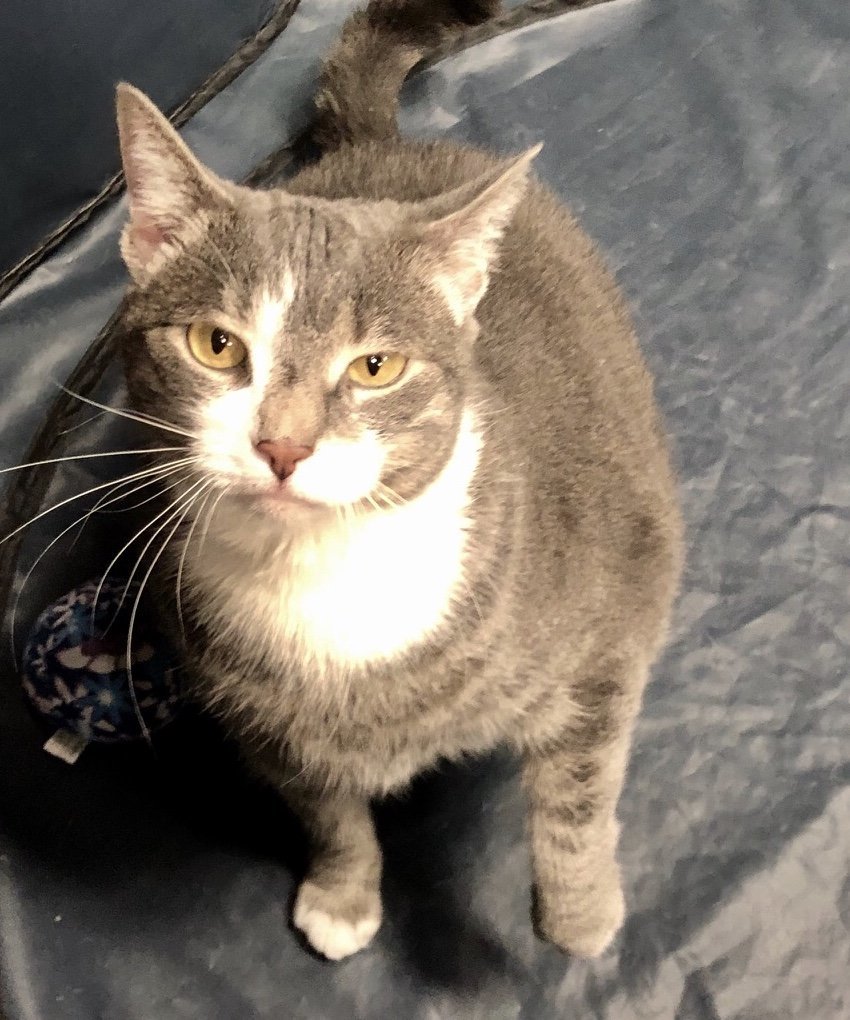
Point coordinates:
[(705, 144)]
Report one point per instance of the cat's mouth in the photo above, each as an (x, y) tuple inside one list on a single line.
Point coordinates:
[(281, 496), (290, 502), (279, 500)]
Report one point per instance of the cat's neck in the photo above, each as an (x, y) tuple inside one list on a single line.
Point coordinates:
[(358, 588)]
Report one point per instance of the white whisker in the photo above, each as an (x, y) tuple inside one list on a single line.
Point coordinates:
[(309, 764), (210, 517), (149, 499), (90, 456), (105, 501), (176, 503), (80, 424), (179, 503), (179, 580), (132, 415), (83, 518), (146, 416), (95, 488), (133, 612), (391, 496)]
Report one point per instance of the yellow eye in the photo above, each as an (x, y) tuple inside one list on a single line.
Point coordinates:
[(374, 370), (215, 347)]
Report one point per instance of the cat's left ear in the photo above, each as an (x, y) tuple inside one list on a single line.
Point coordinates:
[(168, 189), (465, 228)]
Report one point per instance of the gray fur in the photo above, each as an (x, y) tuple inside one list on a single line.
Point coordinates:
[(576, 535)]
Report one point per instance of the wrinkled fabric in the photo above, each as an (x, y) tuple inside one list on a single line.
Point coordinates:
[(59, 63), (705, 146)]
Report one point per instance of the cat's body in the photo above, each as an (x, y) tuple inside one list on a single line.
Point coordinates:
[(507, 572)]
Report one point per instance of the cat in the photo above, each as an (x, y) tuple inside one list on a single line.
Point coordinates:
[(429, 508)]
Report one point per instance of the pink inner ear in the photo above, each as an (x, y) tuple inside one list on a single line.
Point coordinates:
[(147, 235)]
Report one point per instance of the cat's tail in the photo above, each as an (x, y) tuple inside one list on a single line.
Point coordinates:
[(363, 74)]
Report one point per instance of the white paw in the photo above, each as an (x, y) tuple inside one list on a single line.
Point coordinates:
[(333, 937)]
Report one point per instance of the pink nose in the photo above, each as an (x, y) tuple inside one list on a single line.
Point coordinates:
[(281, 455)]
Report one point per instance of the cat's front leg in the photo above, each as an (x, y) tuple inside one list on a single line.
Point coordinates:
[(338, 904), (573, 786)]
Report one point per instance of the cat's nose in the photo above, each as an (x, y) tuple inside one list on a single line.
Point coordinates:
[(281, 455)]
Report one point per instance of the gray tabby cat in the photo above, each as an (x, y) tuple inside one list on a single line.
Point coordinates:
[(435, 498)]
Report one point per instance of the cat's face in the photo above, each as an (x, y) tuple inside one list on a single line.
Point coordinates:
[(320, 354), (289, 344)]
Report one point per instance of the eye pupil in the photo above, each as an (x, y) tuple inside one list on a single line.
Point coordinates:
[(374, 363), (219, 340), (376, 371)]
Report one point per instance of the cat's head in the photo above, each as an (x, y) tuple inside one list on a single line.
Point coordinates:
[(319, 352)]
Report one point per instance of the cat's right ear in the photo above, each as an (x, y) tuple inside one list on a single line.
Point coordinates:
[(168, 189)]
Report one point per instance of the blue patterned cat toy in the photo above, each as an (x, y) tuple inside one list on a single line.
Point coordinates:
[(74, 671)]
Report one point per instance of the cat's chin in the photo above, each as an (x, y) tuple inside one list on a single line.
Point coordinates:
[(283, 502)]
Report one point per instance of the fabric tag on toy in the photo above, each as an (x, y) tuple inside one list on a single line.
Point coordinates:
[(66, 746)]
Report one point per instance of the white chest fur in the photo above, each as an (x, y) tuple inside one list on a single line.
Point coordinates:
[(359, 590)]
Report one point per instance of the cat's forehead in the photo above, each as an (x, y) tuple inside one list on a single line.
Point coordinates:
[(287, 257), (304, 261), (289, 271)]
